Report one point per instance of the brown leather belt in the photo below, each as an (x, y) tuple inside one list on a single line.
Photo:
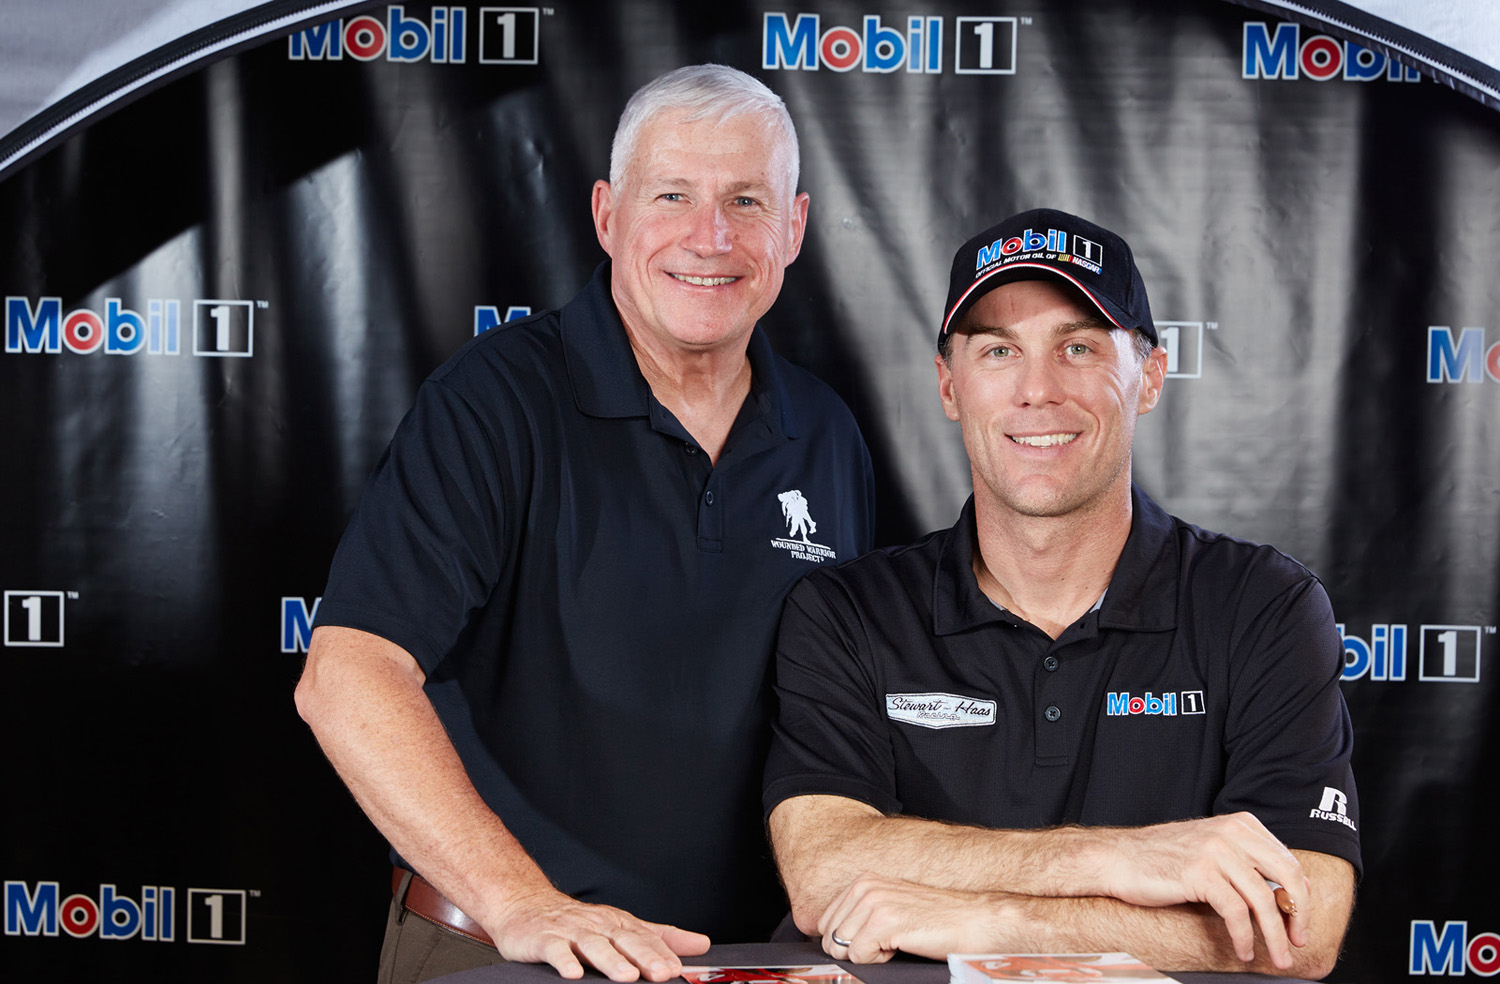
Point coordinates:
[(427, 902)]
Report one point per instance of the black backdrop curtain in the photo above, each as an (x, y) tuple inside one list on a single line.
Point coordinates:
[(220, 298)]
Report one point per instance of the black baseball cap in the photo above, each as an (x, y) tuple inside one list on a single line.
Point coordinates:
[(1045, 244)]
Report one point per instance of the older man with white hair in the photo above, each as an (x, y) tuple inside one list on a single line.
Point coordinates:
[(540, 663)]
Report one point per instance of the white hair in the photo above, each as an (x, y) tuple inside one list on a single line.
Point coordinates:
[(715, 92)]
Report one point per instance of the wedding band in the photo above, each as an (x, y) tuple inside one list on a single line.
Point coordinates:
[(846, 944)]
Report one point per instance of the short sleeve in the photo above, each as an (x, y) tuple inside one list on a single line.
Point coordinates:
[(425, 546), (1288, 738), (829, 736)]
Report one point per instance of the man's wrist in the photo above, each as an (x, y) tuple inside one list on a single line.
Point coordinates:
[(1077, 861)]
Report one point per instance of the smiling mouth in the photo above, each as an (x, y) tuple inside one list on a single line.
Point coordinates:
[(703, 281), (1043, 440)]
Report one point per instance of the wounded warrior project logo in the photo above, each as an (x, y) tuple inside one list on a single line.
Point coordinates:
[(800, 526)]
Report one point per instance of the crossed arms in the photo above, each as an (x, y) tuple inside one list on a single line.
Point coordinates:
[(1181, 896)]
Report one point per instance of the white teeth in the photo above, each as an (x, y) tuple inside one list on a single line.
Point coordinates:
[(705, 281), (1044, 440)]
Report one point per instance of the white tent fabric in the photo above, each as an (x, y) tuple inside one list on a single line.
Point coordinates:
[(64, 61), (1455, 41), (1471, 27)]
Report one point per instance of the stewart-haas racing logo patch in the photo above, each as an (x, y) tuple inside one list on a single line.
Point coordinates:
[(939, 710)]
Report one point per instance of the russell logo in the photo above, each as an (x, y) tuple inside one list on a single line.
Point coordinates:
[(1333, 806)]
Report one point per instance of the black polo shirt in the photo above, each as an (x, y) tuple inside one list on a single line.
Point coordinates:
[(595, 605), (1206, 682)]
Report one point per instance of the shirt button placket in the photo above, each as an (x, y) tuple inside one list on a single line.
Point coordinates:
[(1053, 734), (711, 514)]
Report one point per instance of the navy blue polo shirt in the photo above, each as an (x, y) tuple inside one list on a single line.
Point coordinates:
[(1206, 682), (594, 603)]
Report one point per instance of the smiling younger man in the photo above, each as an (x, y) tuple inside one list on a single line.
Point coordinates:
[(540, 663), (1072, 722)]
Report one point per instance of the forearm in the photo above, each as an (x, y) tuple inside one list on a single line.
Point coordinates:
[(1187, 937), (1214, 868), (823, 843), (362, 697), (1193, 936), (876, 916)]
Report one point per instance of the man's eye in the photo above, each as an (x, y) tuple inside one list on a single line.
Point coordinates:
[(745, 201), (1078, 348), (1000, 351), (672, 196)]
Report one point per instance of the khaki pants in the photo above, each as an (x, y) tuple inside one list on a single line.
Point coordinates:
[(417, 950)]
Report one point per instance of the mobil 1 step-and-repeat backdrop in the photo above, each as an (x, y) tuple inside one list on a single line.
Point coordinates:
[(221, 297)]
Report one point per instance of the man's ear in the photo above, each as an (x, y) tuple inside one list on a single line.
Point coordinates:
[(945, 387), (1153, 378), (799, 226), (603, 206)]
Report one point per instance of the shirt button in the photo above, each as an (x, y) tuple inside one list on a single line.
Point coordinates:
[(1052, 713), (1050, 664), (708, 497), (689, 449)]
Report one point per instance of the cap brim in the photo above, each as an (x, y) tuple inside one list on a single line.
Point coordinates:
[(987, 283)]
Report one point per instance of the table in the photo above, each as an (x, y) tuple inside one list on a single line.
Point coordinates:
[(902, 970)]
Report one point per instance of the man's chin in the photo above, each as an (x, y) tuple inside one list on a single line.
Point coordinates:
[(1041, 500)]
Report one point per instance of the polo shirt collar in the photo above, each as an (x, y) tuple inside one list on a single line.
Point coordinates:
[(1142, 594), (957, 602), (607, 382)]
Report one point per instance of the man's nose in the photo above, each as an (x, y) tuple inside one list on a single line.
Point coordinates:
[(709, 233)]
